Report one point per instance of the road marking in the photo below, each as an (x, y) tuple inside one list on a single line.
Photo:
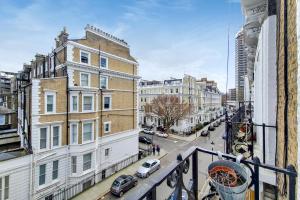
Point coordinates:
[(175, 141)]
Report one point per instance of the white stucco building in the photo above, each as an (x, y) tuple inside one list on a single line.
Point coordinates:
[(202, 95)]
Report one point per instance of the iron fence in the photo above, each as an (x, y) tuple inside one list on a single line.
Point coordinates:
[(173, 174), (91, 180)]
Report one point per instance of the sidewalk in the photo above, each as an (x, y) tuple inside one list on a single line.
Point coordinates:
[(100, 189)]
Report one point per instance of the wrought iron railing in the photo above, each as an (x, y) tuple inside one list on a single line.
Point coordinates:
[(173, 175)]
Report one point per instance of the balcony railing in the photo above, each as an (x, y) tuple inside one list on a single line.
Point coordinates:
[(174, 173)]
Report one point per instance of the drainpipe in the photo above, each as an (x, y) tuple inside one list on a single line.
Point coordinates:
[(54, 63)]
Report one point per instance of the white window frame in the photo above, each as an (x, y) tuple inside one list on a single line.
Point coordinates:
[(59, 135), (110, 102), (109, 127), (106, 86), (82, 135), (3, 188), (106, 67), (44, 174), (56, 170), (54, 101), (47, 138), (89, 57), (72, 165), (93, 103), (89, 79), (71, 133), (71, 104), (106, 152), (84, 162)]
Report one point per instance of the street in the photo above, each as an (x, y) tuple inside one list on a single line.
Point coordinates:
[(174, 147)]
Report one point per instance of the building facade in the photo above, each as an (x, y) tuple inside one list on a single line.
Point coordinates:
[(240, 64), (202, 96), (77, 108)]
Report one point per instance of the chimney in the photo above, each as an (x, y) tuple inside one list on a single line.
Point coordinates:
[(62, 37)]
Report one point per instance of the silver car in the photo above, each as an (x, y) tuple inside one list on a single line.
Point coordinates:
[(148, 168)]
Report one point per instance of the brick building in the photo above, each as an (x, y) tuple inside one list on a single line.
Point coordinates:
[(77, 109)]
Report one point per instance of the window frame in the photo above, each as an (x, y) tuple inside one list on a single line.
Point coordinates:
[(71, 133), (59, 136), (106, 58), (4, 188), (106, 83), (47, 138), (46, 102), (104, 127), (82, 128), (56, 170), (110, 102), (71, 104), (88, 95), (73, 164), (45, 174), (89, 79), (90, 161), (89, 57)]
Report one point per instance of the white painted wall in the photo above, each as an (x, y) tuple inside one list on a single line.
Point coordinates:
[(18, 170), (265, 90)]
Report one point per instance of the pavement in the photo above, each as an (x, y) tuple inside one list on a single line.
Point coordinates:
[(102, 188)]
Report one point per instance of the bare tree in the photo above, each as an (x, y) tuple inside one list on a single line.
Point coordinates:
[(168, 108)]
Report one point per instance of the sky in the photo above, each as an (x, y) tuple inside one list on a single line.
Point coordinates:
[(168, 38)]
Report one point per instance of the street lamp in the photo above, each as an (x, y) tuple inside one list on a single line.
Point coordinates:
[(212, 149)]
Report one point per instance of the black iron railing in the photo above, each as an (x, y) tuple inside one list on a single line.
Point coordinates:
[(173, 175)]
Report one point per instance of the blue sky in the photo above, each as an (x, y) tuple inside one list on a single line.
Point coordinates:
[(168, 38)]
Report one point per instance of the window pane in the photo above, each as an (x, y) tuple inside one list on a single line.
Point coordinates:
[(103, 82), (74, 105), (56, 136), (50, 103), (87, 158), (103, 62), (55, 170), (106, 102), (43, 138), (42, 176), (74, 133), (84, 80), (74, 164), (84, 57), (87, 103), (87, 132)]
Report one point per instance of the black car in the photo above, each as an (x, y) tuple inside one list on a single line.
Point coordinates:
[(122, 184), (211, 128), (204, 133), (145, 140)]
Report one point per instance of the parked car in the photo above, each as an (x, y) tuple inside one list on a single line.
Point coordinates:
[(204, 133), (148, 131), (222, 120), (145, 140), (122, 184), (161, 134), (215, 124), (148, 168), (160, 128), (211, 128)]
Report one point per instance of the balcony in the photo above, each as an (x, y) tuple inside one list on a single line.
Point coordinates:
[(184, 178)]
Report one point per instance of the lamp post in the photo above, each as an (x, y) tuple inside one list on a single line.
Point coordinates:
[(212, 149)]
